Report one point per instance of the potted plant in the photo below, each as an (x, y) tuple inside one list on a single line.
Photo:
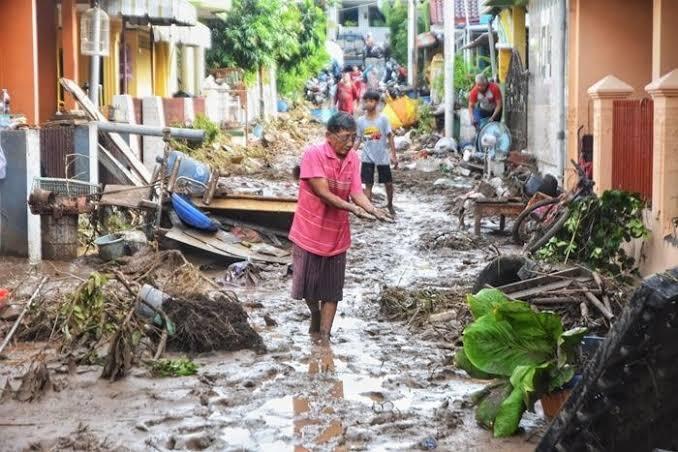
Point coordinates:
[(526, 353)]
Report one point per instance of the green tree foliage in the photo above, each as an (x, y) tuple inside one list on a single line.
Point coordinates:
[(395, 12), (311, 56), (266, 33)]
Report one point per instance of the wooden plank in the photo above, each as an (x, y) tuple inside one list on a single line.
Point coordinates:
[(212, 244), (123, 196), (120, 172), (249, 204), (541, 280), (94, 113), (541, 289)]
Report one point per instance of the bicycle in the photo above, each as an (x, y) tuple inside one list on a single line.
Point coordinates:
[(542, 219)]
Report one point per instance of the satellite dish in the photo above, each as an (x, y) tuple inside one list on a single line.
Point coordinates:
[(495, 139)]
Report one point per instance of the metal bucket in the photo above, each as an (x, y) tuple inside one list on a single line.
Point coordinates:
[(111, 246)]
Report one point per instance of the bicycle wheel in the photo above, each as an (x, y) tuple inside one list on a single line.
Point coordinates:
[(537, 241), (522, 232)]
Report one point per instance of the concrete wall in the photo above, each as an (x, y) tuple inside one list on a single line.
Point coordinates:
[(546, 85), (18, 56), (605, 37), (19, 229), (665, 37), (47, 58)]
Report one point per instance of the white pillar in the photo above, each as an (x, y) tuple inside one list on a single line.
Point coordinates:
[(173, 82), (199, 69), (187, 70), (449, 66), (411, 42)]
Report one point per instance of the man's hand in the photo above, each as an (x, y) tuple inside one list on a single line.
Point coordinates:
[(394, 160), (361, 213), (382, 215)]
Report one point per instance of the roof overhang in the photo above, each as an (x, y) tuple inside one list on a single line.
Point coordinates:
[(153, 12), (196, 36)]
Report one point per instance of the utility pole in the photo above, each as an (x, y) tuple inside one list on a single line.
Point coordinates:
[(412, 43), (493, 60), (449, 27), (95, 61)]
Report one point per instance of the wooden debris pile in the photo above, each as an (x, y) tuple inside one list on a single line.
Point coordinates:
[(579, 296)]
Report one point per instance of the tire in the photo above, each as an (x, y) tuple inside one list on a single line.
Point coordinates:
[(563, 215), (500, 271), (517, 236), (626, 400)]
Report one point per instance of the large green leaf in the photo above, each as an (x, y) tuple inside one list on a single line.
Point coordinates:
[(484, 301), (496, 347), (529, 323), (462, 362), (559, 376), (510, 412), (568, 342), (487, 409)]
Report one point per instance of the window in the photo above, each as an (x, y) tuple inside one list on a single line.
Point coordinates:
[(349, 17), (376, 18)]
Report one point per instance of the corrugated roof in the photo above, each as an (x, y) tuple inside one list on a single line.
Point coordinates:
[(459, 12)]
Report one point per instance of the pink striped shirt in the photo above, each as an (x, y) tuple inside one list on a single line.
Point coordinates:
[(318, 227)]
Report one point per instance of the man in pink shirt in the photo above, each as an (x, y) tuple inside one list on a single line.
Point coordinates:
[(329, 188)]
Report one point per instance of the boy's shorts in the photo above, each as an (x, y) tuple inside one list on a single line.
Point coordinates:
[(367, 173)]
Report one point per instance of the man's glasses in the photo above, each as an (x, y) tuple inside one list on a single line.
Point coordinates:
[(345, 137)]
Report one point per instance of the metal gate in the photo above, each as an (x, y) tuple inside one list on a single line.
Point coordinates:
[(56, 150), (515, 102), (632, 143)]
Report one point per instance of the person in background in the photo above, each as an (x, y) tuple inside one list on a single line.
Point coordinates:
[(374, 130), (484, 102), (329, 189), (357, 79), (347, 94)]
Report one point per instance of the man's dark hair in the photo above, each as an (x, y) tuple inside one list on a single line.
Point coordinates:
[(372, 95), (341, 121)]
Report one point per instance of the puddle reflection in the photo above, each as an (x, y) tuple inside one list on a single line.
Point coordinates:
[(315, 408)]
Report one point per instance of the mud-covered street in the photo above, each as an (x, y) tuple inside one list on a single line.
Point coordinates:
[(381, 385)]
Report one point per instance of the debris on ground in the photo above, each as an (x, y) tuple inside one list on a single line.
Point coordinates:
[(35, 383), (580, 297), (100, 323), (82, 439), (444, 309), (216, 321), (456, 240), (180, 367)]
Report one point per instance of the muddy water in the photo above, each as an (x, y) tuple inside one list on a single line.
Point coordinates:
[(378, 386)]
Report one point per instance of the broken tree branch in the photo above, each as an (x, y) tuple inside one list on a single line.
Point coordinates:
[(23, 313), (598, 304)]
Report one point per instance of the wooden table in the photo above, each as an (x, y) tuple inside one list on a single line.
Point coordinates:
[(492, 208)]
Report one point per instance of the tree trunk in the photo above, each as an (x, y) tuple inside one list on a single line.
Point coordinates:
[(262, 105)]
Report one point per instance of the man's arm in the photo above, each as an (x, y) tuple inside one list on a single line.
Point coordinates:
[(472, 101), (497, 109), (321, 189), (394, 156), (497, 94)]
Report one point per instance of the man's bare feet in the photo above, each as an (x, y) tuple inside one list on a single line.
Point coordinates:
[(391, 210)]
